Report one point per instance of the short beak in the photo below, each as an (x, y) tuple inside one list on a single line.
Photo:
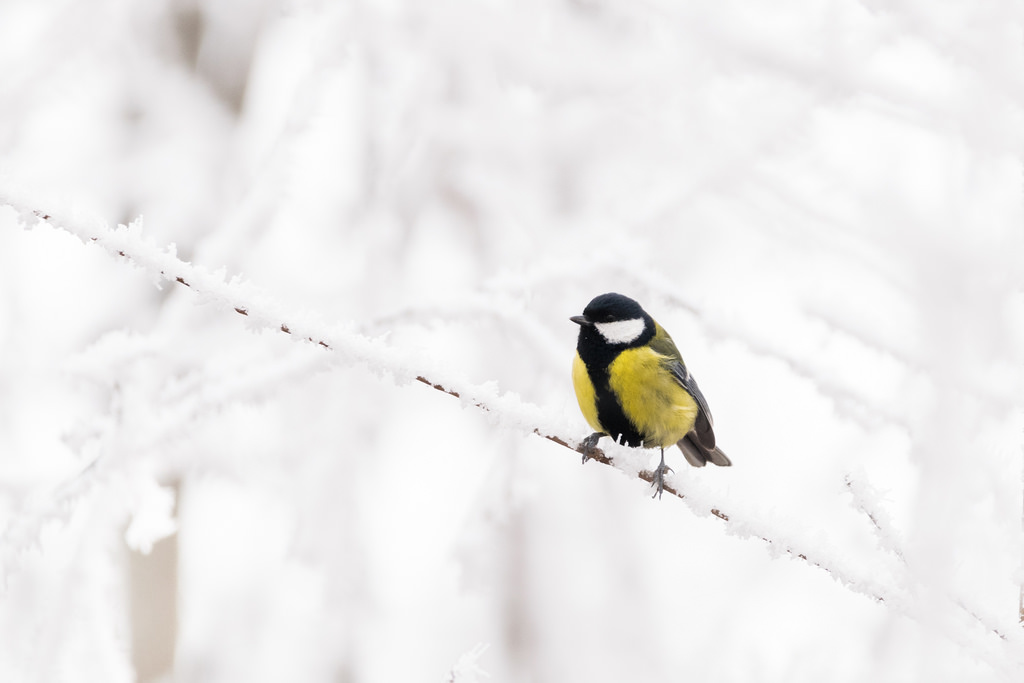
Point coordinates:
[(581, 320)]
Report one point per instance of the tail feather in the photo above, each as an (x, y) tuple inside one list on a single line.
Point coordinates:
[(718, 457), (698, 456)]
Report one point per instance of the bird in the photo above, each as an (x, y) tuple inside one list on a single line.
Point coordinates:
[(632, 385)]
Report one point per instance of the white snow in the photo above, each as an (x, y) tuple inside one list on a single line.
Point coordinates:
[(820, 200)]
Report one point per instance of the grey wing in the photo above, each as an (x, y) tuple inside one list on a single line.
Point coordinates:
[(703, 426)]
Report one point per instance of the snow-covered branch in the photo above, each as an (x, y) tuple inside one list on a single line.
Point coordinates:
[(505, 409)]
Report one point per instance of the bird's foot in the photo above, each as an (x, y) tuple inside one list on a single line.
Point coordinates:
[(659, 479), (588, 444)]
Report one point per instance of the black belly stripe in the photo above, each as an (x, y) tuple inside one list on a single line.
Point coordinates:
[(610, 413)]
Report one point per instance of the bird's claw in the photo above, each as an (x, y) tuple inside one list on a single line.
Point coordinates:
[(588, 444), (659, 479)]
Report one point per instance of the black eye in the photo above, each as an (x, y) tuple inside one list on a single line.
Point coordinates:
[(609, 318)]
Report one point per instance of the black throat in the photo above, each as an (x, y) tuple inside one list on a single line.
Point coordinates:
[(597, 355)]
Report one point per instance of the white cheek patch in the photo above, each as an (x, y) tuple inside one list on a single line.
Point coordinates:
[(621, 331)]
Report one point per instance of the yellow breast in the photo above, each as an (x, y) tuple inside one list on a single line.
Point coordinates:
[(650, 396), (585, 394)]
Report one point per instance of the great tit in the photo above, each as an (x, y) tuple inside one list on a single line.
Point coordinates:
[(632, 385)]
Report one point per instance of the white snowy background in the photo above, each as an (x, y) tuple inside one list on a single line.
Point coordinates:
[(822, 201)]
